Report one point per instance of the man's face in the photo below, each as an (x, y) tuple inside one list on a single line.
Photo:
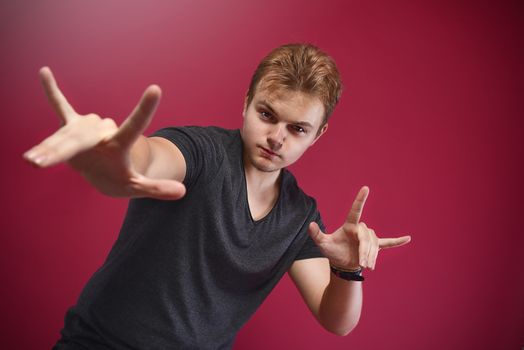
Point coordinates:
[(279, 127)]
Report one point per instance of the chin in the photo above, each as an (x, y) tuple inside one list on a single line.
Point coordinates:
[(266, 168), (264, 165)]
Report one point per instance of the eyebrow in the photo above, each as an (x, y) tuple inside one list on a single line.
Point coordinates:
[(267, 105)]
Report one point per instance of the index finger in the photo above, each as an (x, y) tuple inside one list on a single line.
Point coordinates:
[(54, 95), (358, 205)]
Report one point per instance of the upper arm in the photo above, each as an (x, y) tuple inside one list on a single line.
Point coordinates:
[(311, 276), (166, 161), (188, 154)]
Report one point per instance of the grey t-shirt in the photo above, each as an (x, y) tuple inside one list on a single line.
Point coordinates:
[(188, 274)]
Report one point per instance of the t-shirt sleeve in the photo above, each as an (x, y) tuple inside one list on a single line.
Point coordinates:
[(200, 150), (310, 249)]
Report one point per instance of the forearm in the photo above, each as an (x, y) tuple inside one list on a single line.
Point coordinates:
[(140, 155), (341, 305)]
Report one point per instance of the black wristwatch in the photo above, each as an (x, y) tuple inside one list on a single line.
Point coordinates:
[(348, 275)]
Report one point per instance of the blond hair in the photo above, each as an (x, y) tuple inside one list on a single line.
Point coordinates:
[(299, 67)]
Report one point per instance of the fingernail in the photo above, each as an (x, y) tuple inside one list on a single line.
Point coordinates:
[(29, 155), (39, 160)]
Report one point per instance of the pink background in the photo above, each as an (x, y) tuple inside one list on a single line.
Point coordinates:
[(431, 120)]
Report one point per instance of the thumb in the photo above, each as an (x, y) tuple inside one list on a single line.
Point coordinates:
[(158, 188), (315, 232)]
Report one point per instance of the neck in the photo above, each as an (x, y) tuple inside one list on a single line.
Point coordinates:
[(262, 180), (263, 190)]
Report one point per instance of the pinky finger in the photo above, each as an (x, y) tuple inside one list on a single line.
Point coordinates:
[(393, 242)]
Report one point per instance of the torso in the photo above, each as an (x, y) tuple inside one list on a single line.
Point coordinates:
[(173, 260)]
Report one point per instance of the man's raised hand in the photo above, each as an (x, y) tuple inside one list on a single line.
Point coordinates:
[(353, 245), (100, 150)]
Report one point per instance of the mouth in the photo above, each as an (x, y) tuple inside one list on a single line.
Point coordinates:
[(268, 153)]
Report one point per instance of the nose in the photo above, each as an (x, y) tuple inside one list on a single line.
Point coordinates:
[(276, 137)]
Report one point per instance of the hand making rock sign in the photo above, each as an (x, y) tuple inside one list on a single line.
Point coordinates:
[(104, 153), (353, 245)]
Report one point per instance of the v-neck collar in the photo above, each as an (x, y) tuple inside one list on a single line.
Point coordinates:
[(245, 197)]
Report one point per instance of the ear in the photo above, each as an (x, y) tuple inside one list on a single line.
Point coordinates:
[(322, 131), (245, 107)]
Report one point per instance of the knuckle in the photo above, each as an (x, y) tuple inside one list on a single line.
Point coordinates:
[(319, 239), (110, 123), (89, 120), (92, 116)]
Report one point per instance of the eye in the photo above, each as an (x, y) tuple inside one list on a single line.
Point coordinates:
[(266, 115), (298, 129)]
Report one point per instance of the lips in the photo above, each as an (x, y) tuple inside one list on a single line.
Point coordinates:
[(268, 152)]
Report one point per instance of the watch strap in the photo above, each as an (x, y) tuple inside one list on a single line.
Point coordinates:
[(349, 275)]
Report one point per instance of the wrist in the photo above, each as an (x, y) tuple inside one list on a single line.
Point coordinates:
[(349, 274), (345, 268)]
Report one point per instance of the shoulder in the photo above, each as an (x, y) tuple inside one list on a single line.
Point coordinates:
[(196, 131), (294, 196), (207, 139), (204, 148)]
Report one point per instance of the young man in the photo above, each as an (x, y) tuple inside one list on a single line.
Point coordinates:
[(215, 219)]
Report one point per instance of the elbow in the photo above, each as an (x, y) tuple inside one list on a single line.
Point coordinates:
[(341, 331)]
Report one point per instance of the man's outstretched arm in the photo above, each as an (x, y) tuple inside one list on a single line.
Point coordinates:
[(118, 161), (336, 302)]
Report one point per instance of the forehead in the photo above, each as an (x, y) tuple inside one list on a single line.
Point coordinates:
[(294, 106)]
